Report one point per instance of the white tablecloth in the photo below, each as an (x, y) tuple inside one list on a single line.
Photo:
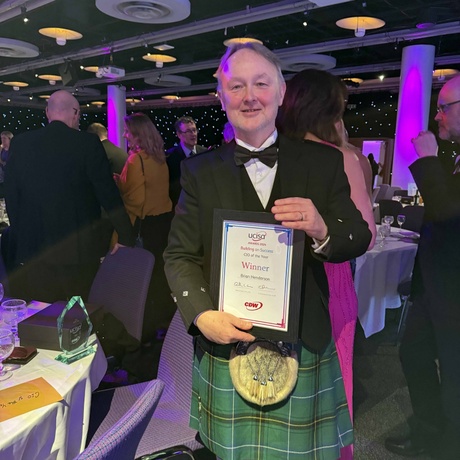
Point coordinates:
[(377, 276), (57, 431)]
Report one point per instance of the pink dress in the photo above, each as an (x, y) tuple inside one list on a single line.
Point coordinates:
[(343, 310)]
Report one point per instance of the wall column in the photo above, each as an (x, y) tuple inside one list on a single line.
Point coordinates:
[(116, 110), (413, 108)]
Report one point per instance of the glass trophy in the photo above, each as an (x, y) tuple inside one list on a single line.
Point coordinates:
[(74, 328)]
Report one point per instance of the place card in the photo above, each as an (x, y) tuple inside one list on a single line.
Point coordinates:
[(25, 397)]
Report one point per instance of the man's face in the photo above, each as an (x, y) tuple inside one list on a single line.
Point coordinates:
[(5, 142), (188, 134), (449, 117), (251, 93)]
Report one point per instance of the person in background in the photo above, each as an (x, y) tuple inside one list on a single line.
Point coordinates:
[(374, 168), (432, 334), (187, 132), (312, 109), (144, 184), (5, 137), (228, 133), (303, 187), (117, 157), (57, 180)]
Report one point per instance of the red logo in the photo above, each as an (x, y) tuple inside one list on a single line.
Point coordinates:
[(252, 306)]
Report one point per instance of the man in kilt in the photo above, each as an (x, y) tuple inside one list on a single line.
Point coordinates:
[(305, 189)]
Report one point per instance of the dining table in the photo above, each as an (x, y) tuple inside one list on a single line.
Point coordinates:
[(378, 274), (57, 430)]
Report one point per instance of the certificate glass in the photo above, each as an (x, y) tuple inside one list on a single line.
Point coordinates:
[(256, 272)]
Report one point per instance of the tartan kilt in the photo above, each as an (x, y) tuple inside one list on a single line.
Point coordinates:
[(313, 423)]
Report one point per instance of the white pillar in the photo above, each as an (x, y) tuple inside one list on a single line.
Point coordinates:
[(116, 110), (413, 108)]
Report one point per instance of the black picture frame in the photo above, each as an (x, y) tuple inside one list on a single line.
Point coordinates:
[(223, 215)]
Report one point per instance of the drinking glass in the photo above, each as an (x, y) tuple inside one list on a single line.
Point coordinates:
[(6, 348), (384, 231), (401, 218), (14, 311), (388, 220)]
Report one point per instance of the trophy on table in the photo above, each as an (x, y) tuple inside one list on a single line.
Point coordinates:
[(74, 328)]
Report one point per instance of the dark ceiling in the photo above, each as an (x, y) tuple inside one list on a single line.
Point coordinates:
[(198, 43)]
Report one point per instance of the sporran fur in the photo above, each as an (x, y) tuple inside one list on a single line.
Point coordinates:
[(263, 372)]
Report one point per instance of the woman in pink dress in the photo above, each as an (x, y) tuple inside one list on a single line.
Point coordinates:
[(312, 109)]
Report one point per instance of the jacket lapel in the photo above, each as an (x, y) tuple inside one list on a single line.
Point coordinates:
[(227, 177)]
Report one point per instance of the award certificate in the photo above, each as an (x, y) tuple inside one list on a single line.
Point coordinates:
[(256, 272)]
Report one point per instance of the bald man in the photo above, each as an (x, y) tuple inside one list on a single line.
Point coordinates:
[(57, 180), (432, 334)]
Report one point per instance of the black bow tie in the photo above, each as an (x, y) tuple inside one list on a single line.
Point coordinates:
[(269, 156)]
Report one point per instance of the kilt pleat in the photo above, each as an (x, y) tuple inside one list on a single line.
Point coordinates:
[(312, 424)]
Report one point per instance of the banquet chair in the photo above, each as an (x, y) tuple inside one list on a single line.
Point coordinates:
[(121, 285), (414, 218), (120, 441), (400, 192), (404, 289), (170, 424), (390, 208), (383, 188)]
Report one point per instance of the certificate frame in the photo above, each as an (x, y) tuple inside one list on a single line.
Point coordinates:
[(286, 331)]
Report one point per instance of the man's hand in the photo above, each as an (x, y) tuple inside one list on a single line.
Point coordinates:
[(116, 248), (425, 144), (300, 214), (223, 328)]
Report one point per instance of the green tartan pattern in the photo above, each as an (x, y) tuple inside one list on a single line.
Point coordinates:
[(312, 424)]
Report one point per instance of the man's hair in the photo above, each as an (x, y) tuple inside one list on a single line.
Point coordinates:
[(8, 134), (314, 102), (261, 50), (142, 129), (183, 120), (97, 128)]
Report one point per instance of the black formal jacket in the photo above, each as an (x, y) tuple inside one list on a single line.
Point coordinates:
[(174, 157), (437, 264), (56, 181), (212, 180)]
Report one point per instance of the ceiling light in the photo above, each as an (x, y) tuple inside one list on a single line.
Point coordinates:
[(241, 41), (16, 84), (52, 79), (381, 77), (44, 96), (91, 68), (360, 24), (61, 35), (159, 59), (132, 101), (164, 47), (98, 103), (441, 74), (170, 97)]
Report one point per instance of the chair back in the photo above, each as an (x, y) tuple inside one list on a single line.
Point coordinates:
[(122, 439), (390, 208), (375, 193), (121, 285), (383, 188), (170, 423), (400, 192), (414, 218)]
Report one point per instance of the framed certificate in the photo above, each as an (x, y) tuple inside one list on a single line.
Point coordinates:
[(256, 272)]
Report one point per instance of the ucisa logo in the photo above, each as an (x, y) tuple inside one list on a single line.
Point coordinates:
[(252, 306), (257, 236)]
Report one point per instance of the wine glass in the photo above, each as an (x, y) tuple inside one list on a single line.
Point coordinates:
[(14, 311), (401, 218), (388, 220), (6, 348)]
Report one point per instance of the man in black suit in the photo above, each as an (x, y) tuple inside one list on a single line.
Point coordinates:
[(57, 180), (117, 157), (433, 324), (304, 187), (187, 132)]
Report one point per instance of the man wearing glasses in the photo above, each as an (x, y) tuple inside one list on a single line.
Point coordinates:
[(187, 132), (56, 181), (430, 349)]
